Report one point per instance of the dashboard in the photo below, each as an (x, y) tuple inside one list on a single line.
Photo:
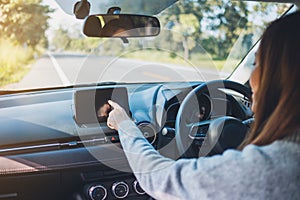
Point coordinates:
[(49, 152)]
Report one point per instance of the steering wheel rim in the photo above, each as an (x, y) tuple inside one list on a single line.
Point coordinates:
[(182, 129)]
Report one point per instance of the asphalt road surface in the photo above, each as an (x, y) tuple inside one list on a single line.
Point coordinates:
[(62, 69)]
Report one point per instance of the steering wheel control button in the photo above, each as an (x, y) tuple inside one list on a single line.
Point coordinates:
[(198, 131), (137, 188), (97, 192), (203, 130), (120, 190)]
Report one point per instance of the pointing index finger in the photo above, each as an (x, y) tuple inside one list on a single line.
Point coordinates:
[(113, 104)]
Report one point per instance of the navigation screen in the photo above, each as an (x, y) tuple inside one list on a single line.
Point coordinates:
[(91, 106)]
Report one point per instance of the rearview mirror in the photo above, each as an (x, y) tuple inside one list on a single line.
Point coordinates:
[(121, 25)]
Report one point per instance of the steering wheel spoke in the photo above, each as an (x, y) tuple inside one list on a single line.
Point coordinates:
[(189, 132), (199, 130)]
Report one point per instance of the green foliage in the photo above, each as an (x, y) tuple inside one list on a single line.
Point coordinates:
[(13, 61), (23, 25), (232, 21), (63, 40), (24, 22), (187, 25), (225, 20)]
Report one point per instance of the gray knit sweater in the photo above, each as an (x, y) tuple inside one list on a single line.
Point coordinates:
[(267, 172)]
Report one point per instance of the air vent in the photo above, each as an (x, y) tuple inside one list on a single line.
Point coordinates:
[(148, 131), (246, 102)]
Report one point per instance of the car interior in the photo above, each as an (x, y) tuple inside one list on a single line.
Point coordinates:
[(54, 140)]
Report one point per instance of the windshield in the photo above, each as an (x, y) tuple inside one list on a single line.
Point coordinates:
[(42, 46)]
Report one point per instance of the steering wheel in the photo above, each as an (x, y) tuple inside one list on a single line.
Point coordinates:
[(199, 138)]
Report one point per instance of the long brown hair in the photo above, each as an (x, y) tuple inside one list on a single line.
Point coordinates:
[(278, 97)]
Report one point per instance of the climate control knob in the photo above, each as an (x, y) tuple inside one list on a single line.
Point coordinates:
[(120, 190), (137, 188), (97, 192)]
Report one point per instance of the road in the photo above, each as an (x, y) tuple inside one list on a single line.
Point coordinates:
[(62, 69)]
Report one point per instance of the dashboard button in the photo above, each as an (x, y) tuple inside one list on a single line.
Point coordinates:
[(113, 139)]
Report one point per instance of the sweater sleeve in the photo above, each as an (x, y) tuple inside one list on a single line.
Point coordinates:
[(203, 178)]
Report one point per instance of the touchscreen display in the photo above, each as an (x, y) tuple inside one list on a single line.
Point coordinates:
[(91, 105)]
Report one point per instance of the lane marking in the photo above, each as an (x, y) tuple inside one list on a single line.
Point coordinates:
[(65, 81), (157, 76)]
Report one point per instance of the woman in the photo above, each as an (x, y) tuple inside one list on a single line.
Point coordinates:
[(268, 165)]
